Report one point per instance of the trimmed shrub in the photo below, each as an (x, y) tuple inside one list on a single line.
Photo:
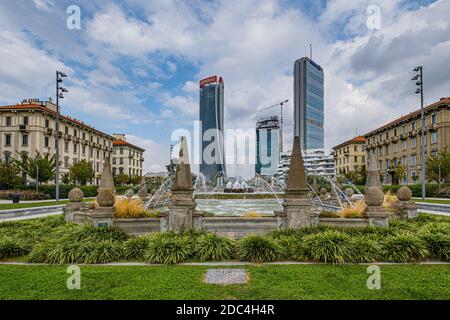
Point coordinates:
[(93, 234), (329, 246), (168, 249), (212, 247), (11, 248), (24, 194), (364, 249), (404, 247), (291, 248), (256, 248)]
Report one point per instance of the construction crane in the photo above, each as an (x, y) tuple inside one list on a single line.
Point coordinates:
[(280, 104)]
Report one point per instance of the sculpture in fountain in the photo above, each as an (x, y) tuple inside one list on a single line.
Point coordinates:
[(296, 202)]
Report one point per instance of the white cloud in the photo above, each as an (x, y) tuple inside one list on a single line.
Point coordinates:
[(156, 156)]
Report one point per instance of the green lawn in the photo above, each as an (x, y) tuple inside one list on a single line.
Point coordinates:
[(440, 201), (7, 206), (266, 282)]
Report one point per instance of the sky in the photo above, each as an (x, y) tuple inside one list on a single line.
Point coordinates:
[(133, 66)]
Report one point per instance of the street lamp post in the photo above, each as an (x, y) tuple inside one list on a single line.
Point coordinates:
[(419, 83), (59, 95)]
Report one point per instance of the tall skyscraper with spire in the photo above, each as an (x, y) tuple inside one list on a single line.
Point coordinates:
[(309, 104), (211, 113)]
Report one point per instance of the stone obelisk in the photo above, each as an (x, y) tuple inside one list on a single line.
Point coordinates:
[(373, 176), (296, 202), (182, 204)]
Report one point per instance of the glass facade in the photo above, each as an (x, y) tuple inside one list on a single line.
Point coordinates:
[(309, 103), (267, 146), (211, 114)]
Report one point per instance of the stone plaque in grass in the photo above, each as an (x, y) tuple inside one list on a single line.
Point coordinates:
[(226, 276)]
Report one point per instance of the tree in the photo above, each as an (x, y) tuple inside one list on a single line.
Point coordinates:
[(135, 180), (81, 172), (432, 164), (40, 168), (121, 179), (9, 175), (399, 172)]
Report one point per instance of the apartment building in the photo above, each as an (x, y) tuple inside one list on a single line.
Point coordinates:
[(398, 142), (350, 156), (30, 126), (126, 158)]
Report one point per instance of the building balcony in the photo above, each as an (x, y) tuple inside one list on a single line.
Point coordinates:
[(394, 139), (23, 127), (403, 136), (49, 131), (432, 127)]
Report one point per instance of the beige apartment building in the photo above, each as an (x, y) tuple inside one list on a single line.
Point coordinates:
[(350, 156), (127, 158), (398, 142), (30, 126)]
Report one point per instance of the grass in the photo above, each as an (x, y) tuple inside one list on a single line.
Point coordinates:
[(438, 201), (9, 206), (266, 282)]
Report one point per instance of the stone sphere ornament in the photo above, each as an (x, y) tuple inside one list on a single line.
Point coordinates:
[(374, 197), (404, 194), (76, 195), (129, 193), (323, 190), (349, 192), (105, 198)]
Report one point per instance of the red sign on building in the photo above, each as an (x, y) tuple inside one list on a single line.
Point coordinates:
[(208, 80)]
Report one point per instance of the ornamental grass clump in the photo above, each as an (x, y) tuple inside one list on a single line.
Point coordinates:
[(437, 244), (135, 248), (291, 248), (256, 248), (168, 249), (129, 208), (213, 247), (12, 248), (363, 249), (354, 211), (329, 246), (404, 247)]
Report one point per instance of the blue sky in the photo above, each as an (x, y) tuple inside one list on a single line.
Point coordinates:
[(134, 65)]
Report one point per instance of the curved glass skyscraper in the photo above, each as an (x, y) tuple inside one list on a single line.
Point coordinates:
[(309, 103), (211, 113)]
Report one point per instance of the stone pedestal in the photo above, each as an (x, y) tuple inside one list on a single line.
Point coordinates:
[(409, 208), (102, 217), (297, 209), (181, 209), (377, 216)]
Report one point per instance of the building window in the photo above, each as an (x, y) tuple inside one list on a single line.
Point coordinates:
[(47, 123), (25, 140), (120, 160), (363, 159), (121, 150), (413, 125), (404, 161), (404, 145), (114, 160), (355, 148), (8, 121), (25, 120), (433, 119), (413, 160), (66, 147), (404, 129), (84, 136), (7, 139), (75, 132), (395, 132), (395, 147), (74, 148), (83, 150), (434, 137), (386, 148), (413, 142), (46, 141), (363, 149), (92, 153), (356, 159), (98, 154), (98, 167), (66, 130), (66, 163)]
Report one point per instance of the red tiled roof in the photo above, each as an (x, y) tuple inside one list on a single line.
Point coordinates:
[(45, 109), (358, 139), (120, 142), (441, 103)]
